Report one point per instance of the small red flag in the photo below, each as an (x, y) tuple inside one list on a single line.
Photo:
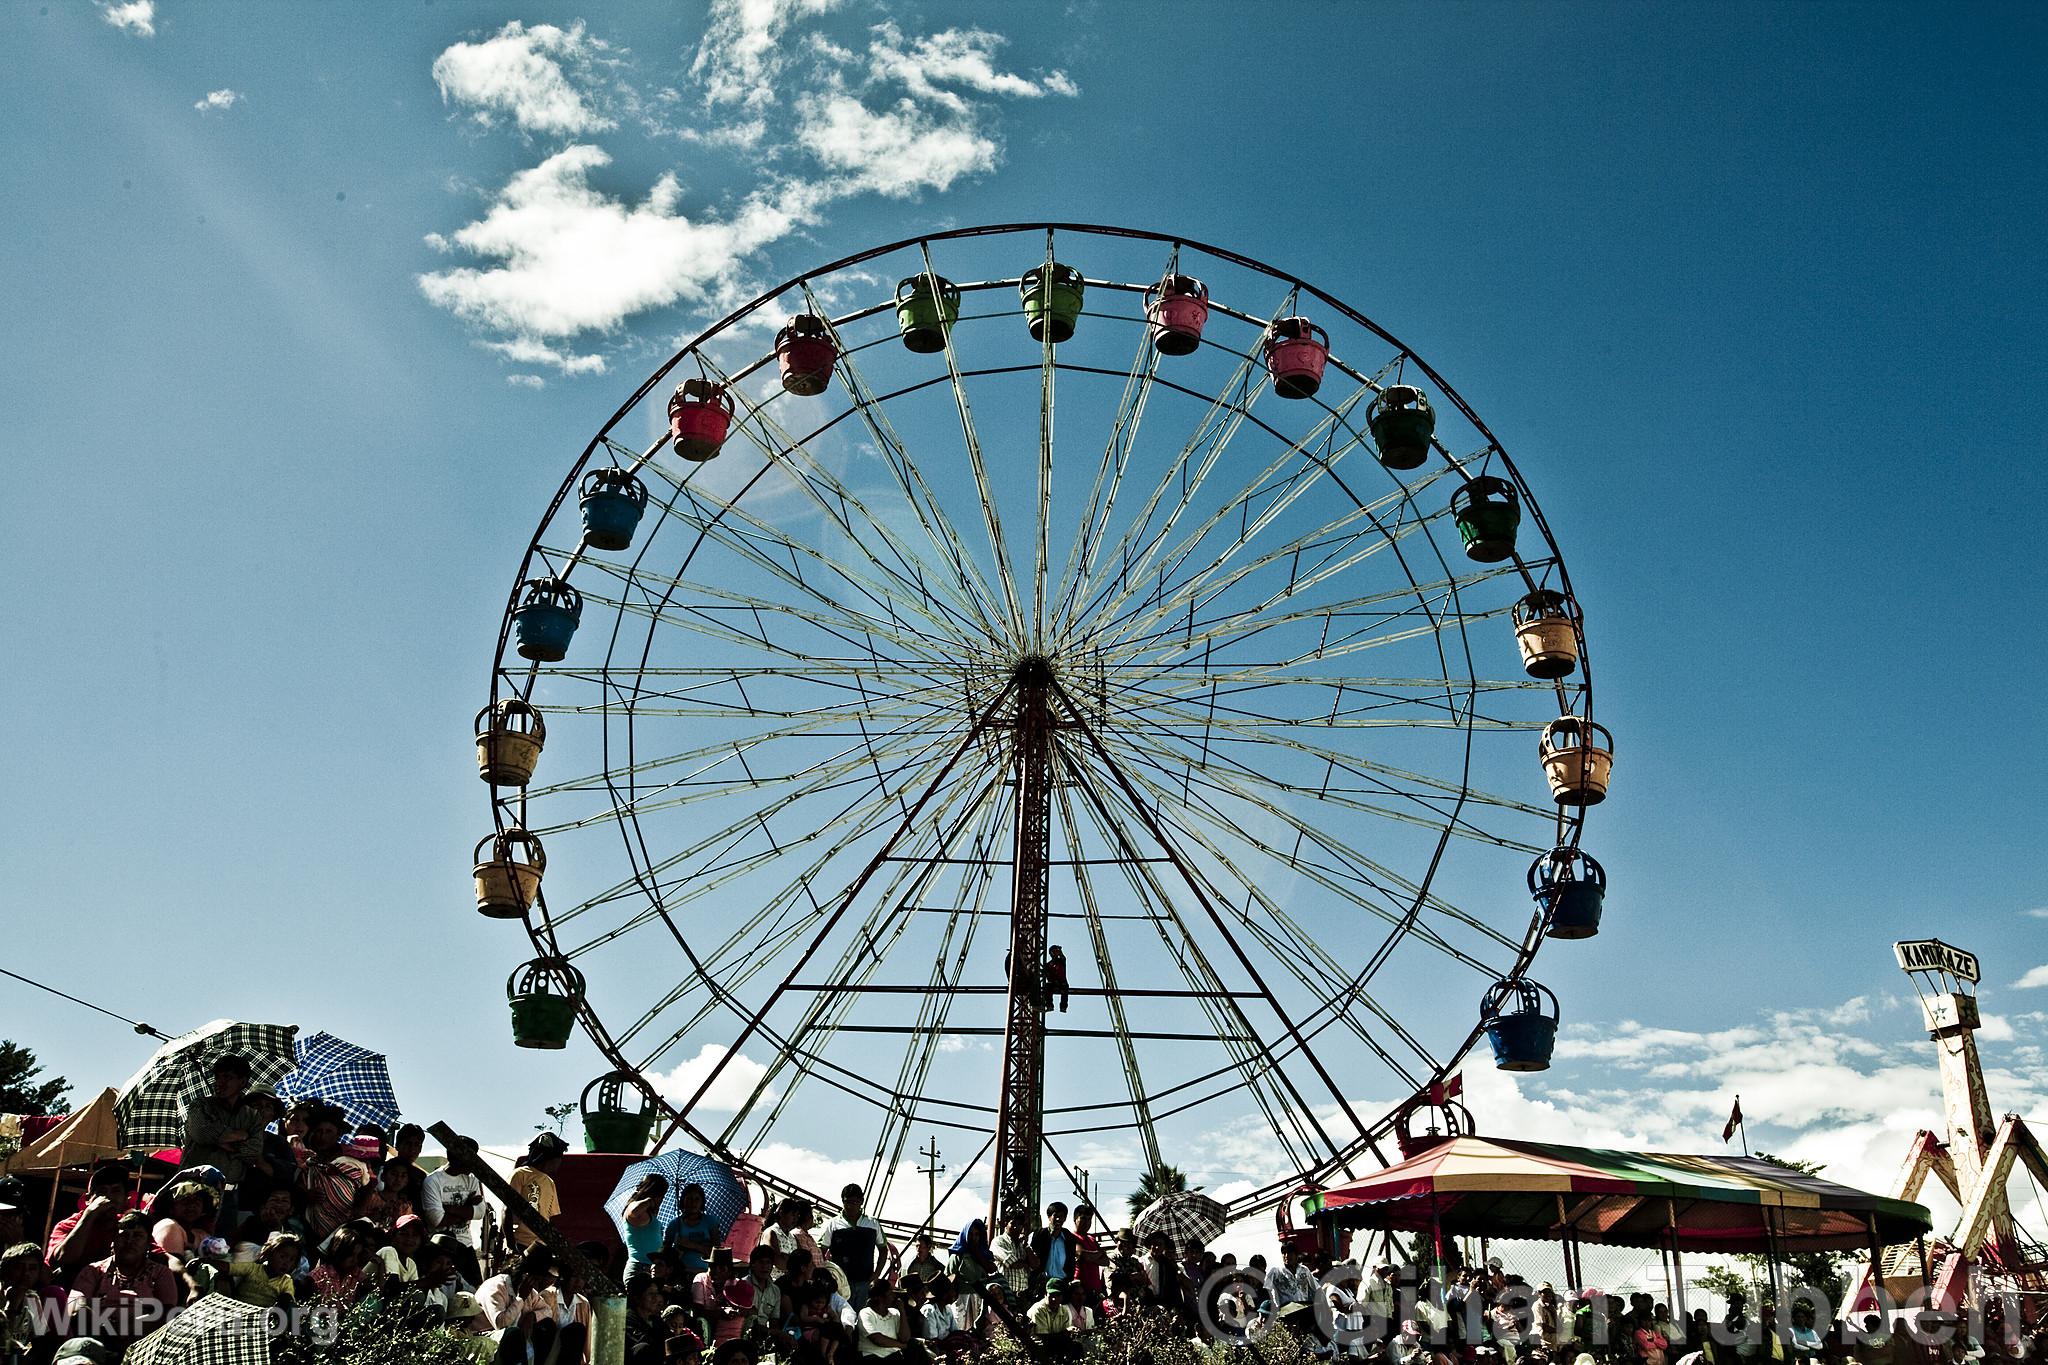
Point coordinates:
[(1441, 1091), (1734, 1120)]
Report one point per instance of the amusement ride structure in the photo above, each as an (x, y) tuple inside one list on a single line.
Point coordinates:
[(1074, 689), (1976, 1158)]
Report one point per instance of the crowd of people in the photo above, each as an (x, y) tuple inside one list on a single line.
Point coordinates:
[(283, 1209)]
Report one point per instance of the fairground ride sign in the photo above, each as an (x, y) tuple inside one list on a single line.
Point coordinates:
[(1932, 955)]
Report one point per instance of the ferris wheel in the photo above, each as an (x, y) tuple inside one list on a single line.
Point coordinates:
[(1077, 691)]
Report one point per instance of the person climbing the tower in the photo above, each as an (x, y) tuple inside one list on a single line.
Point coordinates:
[(1056, 977)]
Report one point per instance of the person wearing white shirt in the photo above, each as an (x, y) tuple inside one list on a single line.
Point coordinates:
[(883, 1333)]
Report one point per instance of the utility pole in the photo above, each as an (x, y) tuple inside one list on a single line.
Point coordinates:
[(931, 1171), (1081, 1187)]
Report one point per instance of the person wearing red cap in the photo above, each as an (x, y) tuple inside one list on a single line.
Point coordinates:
[(397, 1254)]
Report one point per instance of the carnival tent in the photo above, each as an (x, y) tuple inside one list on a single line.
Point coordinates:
[(1498, 1187)]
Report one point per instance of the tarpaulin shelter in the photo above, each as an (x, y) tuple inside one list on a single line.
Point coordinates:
[(80, 1139), (1498, 1187)]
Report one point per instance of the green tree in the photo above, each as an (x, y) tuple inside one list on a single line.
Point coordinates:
[(1156, 1184), (20, 1090), (558, 1114)]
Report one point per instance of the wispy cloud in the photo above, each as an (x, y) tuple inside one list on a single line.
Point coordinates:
[(536, 75), (2036, 976), (218, 101), (555, 257), (131, 16), (526, 381), (2038, 912)]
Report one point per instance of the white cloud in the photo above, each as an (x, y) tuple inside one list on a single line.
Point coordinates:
[(132, 16), (537, 75), (962, 57), (526, 381), (896, 152), (218, 101), (2038, 912), (533, 351), (570, 258), (552, 256), (734, 1084), (2036, 976), (742, 52)]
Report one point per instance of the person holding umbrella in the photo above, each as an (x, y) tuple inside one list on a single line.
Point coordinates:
[(643, 1221)]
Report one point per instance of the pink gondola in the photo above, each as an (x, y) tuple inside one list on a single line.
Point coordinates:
[(1296, 352), (1178, 309), (807, 353), (699, 416)]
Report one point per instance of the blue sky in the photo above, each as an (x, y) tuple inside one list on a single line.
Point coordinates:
[(318, 304)]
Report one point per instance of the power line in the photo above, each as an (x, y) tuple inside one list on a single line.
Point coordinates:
[(145, 1029)]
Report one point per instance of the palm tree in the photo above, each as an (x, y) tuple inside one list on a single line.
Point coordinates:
[(1157, 1183)]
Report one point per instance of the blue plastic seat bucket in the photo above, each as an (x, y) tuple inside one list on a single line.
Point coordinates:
[(1522, 1042), (610, 518), (1575, 909), (541, 631)]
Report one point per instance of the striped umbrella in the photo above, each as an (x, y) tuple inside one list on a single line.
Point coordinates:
[(1185, 1216), (357, 1079), (151, 1109)]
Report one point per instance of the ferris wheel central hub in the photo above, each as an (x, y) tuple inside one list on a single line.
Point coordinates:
[(1033, 670)]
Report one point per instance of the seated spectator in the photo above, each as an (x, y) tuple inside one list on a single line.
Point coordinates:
[(88, 1235), (767, 1314), (1082, 1306), (693, 1234), (337, 1186), (343, 1275), (792, 1232), (709, 1291), (267, 1281), (944, 1332), (1052, 1322), (972, 1262), (184, 1218), (523, 1294), (21, 1276), (397, 1255), (923, 1263), (128, 1294), (646, 1341), (277, 1212), (884, 1336)]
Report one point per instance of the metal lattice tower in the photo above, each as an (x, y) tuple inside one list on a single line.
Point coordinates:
[(1020, 1119)]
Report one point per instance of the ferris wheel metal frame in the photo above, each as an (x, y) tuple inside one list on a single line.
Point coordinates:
[(1049, 703)]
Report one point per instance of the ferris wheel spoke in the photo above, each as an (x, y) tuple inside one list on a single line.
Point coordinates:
[(1109, 475), (917, 493), (1183, 948), (1315, 556), (991, 517), (1212, 436), (1163, 624), (1127, 1051), (724, 522), (1292, 946), (841, 626), (1041, 549), (859, 960), (705, 879), (1356, 870), (1212, 708), (765, 935), (816, 480), (713, 754), (1218, 770), (1297, 469)]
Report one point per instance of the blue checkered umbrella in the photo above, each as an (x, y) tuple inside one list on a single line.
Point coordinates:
[(151, 1109), (725, 1199), (339, 1072)]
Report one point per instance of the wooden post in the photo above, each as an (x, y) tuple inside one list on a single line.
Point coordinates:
[(1678, 1304), (608, 1315)]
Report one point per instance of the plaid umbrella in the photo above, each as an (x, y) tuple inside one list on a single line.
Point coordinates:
[(216, 1330), (725, 1199), (151, 1108), (339, 1072), (1184, 1216)]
